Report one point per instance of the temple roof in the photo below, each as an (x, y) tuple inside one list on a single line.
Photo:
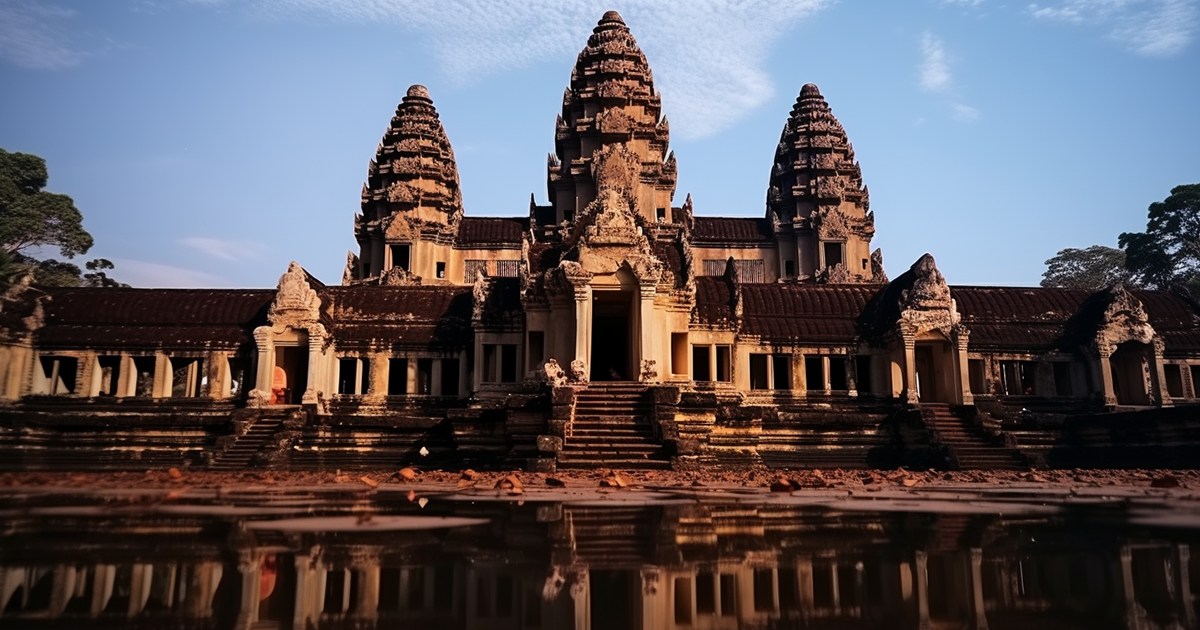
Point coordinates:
[(723, 230), (414, 165), (145, 318), (384, 316), (491, 231), (814, 162)]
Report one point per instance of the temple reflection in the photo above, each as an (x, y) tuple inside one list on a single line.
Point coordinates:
[(697, 566)]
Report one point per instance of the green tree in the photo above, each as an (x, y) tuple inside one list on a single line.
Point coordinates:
[(1092, 268), (33, 220), (1168, 253)]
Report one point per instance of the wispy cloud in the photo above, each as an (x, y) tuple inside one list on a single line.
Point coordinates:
[(935, 70), (1152, 28), (224, 249), (141, 273), (31, 35), (964, 113), (708, 56)]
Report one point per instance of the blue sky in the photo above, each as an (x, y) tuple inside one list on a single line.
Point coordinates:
[(209, 142)]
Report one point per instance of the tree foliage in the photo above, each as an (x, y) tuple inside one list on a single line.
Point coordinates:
[(1168, 253), (1092, 268), (32, 219)]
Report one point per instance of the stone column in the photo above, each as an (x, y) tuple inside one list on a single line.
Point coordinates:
[(1132, 609), (412, 374), (799, 376), (646, 292), (264, 374), (248, 609), (962, 367), (103, 578), (852, 375), (435, 378), (977, 605), (1160, 375), (367, 604), (1187, 611), (1103, 371), (583, 325), (162, 376), (910, 367), (581, 596), (316, 367), (826, 382), (62, 590), (920, 569)]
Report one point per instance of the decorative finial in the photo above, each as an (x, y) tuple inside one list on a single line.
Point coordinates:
[(418, 91), (810, 90), (612, 16)]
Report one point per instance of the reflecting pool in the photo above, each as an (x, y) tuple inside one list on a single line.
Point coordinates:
[(302, 559)]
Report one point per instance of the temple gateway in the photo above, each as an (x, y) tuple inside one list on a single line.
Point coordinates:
[(608, 326)]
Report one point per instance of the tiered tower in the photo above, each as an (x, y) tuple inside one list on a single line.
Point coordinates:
[(817, 200), (411, 195), (610, 134)]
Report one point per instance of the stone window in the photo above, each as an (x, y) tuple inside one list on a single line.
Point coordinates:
[(976, 373), (1174, 380), (701, 370), (144, 384), (833, 254), (781, 371), (508, 268), (425, 376), (1194, 372), (472, 268), (1062, 379), (837, 374), (537, 348), (238, 370), (729, 593), (354, 375), (400, 255), (660, 214), (764, 590), (789, 269), (679, 348), (758, 371), (750, 271), (109, 373), (397, 377), (57, 376), (450, 377), (862, 374), (500, 363), (724, 374), (814, 374), (187, 377), (683, 597), (1017, 377), (441, 271), (706, 593), (713, 267)]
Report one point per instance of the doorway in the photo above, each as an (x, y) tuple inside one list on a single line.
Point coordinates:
[(612, 594), (1131, 373), (293, 362), (611, 355), (933, 371)]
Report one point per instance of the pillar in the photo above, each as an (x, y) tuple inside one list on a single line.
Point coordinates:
[(920, 568), (435, 378), (910, 368), (583, 326), (367, 604), (1187, 611), (1102, 368), (1132, 609), (1160, 375), (412, 374), (962, 369), (977, 606), (162, 376), (316, 367), (248, 608), (265, 364), (646, 292)]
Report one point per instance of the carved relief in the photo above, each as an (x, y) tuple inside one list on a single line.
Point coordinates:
[(649, 371), (927, 305), (296, 303), (830, 224), (615, 168), (553, 374), (579, 371), (1123, 320)]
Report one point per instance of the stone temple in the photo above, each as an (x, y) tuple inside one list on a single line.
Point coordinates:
[(608, 326)]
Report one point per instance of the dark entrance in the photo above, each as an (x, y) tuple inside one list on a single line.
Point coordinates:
[(612, 594), (927, 381), (1131, 373), (293, 360), (610, 336)]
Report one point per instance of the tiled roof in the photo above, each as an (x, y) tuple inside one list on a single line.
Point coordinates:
[(491, 231), (669, 254), (1018, 318), (815, 313), (415, 316), (706, 230), (120, 317)]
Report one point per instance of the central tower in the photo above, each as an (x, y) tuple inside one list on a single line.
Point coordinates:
[(610, 135)]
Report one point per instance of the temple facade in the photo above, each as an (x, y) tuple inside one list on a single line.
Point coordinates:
[(608, 325)]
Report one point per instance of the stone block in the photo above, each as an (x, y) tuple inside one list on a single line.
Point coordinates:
[(549, 443), (541, 464)]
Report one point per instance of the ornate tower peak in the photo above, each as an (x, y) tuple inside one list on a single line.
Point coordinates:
[(816, 192), (611, 108), (412, 191)]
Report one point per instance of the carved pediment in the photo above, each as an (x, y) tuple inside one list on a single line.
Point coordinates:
[(831, 224), (615, 168), (296, 303), (927, 305), (1123, 320), (399, 229), (614, 224)]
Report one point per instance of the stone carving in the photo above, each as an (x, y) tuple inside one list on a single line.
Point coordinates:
[(834, 274), (399, 277), (649, 371), (479, 293), (351, 268), (877, 273), (830, 224), (553, 374), (615, 168), (398, 228), (927, 305), (1123, 320), (614, 222), (296, 303), (579, 371)]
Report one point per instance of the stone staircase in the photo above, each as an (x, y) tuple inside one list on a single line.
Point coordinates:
[(970, 446), (239, 455), (612, 428), (611, 537)]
